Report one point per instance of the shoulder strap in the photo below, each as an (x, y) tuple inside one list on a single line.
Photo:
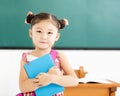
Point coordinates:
[(55, 57), (24, 57), (53, 54)]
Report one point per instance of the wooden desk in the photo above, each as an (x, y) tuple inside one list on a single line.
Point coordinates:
[(92, 89)]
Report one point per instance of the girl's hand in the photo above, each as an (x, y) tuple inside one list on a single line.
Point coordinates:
[(43, 79), (54, 70)]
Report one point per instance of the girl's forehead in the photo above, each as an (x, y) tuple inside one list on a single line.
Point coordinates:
[(45, 24)]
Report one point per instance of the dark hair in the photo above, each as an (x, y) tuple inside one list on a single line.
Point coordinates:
[(33, 19)]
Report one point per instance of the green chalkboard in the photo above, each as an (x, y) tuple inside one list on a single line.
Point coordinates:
[(92, 23)]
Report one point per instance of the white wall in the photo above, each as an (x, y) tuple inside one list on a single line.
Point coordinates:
[(99, 64)]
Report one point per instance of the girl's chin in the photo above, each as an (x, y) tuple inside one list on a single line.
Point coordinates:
[(43, 47)]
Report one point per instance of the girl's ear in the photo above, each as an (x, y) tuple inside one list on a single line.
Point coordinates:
[(30, 33), (57, 36)]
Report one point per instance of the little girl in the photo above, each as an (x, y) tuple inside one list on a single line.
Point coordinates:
[(44, 32)]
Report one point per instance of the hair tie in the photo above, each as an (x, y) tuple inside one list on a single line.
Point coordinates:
[(29, 17), (63, 23), (66, 21)]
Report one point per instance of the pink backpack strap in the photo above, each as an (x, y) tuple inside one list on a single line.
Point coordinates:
[(24, 57), (55, 57), (53, 54)]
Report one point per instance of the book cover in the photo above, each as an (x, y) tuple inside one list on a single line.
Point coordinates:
[(40, 65)]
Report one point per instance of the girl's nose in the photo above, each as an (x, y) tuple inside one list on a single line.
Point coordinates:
[(44, 36)]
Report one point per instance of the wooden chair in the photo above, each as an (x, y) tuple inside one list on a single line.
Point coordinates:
[(81, 72)]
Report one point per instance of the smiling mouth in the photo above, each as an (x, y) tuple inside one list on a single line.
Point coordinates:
[(43, 42)]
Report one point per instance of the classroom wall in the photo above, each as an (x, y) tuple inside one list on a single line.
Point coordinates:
[(100, 64)]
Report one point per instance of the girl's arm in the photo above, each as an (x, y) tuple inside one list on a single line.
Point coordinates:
[(26, 84), (68, 79)]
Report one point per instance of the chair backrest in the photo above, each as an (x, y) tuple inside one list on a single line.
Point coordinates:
[(80, 72)]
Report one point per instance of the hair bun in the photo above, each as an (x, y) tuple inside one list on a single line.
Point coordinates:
[(63, 23), (66, 22), (29, 17)]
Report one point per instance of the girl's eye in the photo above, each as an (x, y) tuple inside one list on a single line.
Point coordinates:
[(38, 31), (50, 32)]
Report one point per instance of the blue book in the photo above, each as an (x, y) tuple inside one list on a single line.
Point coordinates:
[(40, 65)]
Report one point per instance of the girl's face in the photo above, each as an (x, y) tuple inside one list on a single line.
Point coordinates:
[(44, 34)]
